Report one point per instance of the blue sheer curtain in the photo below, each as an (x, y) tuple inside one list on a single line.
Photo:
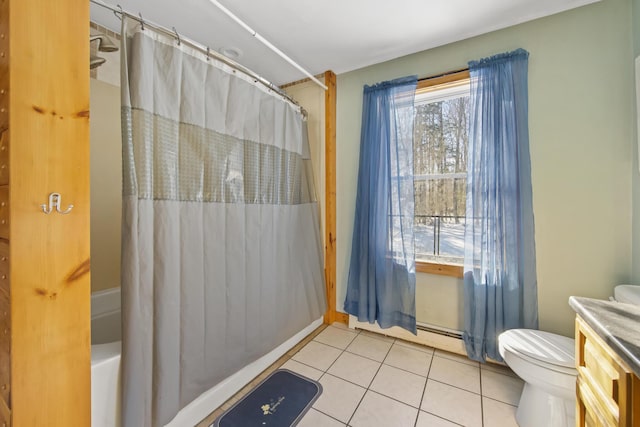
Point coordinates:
[(500, 287), (382, 279)]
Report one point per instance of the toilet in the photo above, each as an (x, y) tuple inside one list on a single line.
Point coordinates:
[(546, 363), (629, 294)]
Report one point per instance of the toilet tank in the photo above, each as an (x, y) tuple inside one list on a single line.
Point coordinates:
[(629, 294)]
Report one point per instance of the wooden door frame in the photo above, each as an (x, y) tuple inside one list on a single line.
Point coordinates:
[(330, 98)]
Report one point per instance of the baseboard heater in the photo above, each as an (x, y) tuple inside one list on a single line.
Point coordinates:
[(440, 331), (432, 336)]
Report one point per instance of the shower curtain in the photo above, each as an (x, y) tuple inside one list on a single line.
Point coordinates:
[(221, 254)]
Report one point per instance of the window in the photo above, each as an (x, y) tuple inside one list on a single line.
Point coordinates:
[(440, 172)]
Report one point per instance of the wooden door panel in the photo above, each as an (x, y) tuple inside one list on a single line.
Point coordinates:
[(4, 155), (48, 121)]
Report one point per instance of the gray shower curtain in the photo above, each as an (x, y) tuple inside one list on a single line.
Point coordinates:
[(221, 254)]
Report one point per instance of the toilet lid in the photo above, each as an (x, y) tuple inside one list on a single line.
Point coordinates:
[(539, 345)]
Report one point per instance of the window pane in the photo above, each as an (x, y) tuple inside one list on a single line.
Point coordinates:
[(452, 237), (440, 165), (439, 238)]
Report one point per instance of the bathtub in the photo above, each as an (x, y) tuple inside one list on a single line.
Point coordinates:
[(105, 358), (105, 367)]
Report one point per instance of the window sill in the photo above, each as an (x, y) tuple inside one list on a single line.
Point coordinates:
[(441, 269)]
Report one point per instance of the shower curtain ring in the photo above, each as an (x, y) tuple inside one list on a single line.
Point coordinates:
[(115, 12), (207, 53), (141, 21), (177, 35)]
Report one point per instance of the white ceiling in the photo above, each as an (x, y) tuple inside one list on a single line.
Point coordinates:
[(338, 35)]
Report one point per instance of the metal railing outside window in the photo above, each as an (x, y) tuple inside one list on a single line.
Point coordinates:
[(439, 238)]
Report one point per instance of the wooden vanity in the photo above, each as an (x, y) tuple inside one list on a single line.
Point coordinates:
[(608, 363)]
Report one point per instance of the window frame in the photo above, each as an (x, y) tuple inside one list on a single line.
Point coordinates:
[(430, 84)]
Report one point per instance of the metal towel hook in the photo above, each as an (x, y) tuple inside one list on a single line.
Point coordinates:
[(55, 200)]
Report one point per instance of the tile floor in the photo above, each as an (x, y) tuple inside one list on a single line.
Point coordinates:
[(370, 380)]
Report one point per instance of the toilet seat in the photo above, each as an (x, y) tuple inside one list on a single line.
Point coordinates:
[(542, 348)]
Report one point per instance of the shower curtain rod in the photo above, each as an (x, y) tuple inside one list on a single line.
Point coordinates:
[(117, 10), (266, 42)]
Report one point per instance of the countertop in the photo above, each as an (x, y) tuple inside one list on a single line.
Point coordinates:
[(617, 323)]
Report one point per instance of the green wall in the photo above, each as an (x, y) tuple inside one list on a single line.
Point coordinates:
[(635, 275), (635, 16), (581, 116)]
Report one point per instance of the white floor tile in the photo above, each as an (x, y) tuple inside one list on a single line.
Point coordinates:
[(380, 411), (315, 418), (339, 398), (458, 391), (409, 359), (304, 370), (400, 385), (428, 420), (317, 355), (455, 373), (336, 337), (415, 346), (457, 357), (452, 403), (372, 348), (505, 388), (354, 368), (498, 414)]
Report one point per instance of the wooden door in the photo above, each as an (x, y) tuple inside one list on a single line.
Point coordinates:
[(45, 348)]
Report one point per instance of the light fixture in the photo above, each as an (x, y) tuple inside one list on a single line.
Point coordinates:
[(230, 52)]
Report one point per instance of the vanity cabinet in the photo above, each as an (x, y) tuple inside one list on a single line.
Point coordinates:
[(607, 390)]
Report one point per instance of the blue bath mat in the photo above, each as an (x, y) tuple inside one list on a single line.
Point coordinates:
[(281, 400)]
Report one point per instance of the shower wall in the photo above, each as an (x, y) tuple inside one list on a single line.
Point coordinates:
[(106, 185), (108, 72), (311, 98), (106, 166)]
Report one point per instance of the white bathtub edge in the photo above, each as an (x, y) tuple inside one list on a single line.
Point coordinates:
[(105, 302), (211, 399), (104, 353)]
